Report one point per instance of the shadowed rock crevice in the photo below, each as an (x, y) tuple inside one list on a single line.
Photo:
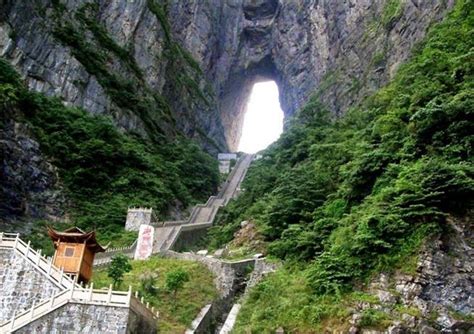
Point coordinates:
[(260, 9)]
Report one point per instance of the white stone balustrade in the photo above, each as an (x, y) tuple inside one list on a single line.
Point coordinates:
[(42, 264), (70, 292)]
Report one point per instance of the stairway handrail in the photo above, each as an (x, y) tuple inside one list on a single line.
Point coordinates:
[(87, 295), (44, 265)]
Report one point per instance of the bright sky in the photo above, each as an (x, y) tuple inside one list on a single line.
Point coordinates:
[(263, 122)]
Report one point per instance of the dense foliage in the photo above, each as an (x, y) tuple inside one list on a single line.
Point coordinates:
[(175, 280), (104, 170), (356, 194)]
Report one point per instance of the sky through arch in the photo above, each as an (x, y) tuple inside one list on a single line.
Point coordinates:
[(263, 121)]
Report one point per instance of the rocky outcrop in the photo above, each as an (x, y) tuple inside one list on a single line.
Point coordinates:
[(437, 298), (30, 186), (343, 49)]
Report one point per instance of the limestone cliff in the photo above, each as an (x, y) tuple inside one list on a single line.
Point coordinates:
[(344, 49), (160, 68)]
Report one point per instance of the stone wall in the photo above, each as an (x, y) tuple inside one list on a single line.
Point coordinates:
[(260, 270), (20, 284), (226, 273), (140, 319), (82, 318), (188, 238), (137, 217), (203, 323)]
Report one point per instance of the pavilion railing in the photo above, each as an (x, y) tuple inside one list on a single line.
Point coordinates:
[(79, 295), (42, 264)]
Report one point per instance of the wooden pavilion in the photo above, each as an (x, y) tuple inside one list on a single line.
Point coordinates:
[(75, 251)]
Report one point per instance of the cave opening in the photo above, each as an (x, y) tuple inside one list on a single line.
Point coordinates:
[(263, 119)]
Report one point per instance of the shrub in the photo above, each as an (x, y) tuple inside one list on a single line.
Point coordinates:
[(117, 268), (175, 280)]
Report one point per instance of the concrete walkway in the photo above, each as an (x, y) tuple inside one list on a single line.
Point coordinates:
[(203, 215)]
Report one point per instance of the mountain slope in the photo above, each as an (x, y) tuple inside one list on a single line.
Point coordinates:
[(348, 198)]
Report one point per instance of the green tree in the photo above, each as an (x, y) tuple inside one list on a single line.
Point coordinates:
[(175, 280), (119, 266)]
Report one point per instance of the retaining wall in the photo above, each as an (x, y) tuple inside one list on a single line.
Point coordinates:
[(83, 318), (20, 284)]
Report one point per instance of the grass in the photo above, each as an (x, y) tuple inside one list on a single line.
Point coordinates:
[(392, 11), (284, 299), (374, 319), (297, 310), (175, 315)]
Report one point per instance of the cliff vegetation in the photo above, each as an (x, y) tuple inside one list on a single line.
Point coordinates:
[(103, 169), (342, 199)]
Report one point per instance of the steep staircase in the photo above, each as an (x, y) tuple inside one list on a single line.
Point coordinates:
[(42, 264), (203, 215), (70, 291)]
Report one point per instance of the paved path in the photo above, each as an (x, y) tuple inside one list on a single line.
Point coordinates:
[(233, 184), (203, 215)]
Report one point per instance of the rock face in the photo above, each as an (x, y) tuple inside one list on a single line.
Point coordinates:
[(344, 49), (30, 186), (164, 67), (438, 297)]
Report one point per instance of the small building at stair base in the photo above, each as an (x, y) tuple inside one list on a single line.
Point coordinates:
[(226, 162), (38, 297), (75, 252)]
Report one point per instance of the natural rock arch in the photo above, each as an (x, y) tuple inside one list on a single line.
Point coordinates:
[(303, 46), (254, 63), (329, 47)]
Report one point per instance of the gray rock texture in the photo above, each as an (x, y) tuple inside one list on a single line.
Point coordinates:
[(438, 297), (343, 49), (20, 284), (348, 48), (81, 318), (29, 185)]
